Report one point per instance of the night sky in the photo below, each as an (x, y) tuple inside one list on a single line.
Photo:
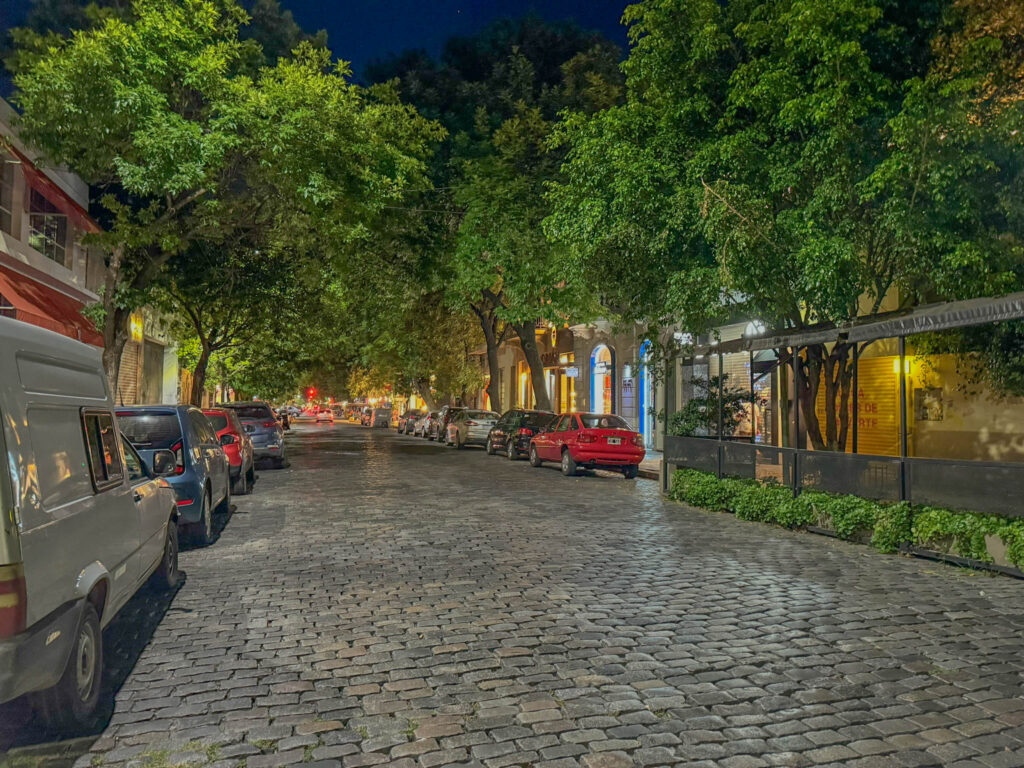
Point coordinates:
[(361, 30)]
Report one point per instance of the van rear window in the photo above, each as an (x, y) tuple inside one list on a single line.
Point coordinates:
[(150, 431)]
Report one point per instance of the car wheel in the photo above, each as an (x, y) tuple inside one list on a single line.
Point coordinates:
[(489, 447), (631, 471), (202, 532), (511, 453), (535, 459), (250, 477), (165, 577), (458, 441), (70, 705), (568, 464), (279, 462), (224, 507), (240, 487)]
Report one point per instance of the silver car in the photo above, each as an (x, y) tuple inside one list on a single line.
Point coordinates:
[(470, 427), (263, 429), (85, 522)]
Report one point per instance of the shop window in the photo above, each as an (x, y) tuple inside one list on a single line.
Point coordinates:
[(602, 384), (48, 229)]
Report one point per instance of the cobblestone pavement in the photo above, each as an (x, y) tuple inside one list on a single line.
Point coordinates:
[(389, 601)]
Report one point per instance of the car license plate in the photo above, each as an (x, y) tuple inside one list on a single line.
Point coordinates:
[(614, 441)]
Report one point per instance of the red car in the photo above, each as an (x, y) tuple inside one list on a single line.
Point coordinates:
[(237, 447), (590, 440)]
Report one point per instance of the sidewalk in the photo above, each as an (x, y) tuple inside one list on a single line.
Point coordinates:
[(650, 467)]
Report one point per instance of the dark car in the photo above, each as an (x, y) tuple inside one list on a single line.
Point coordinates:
[(514, 430), (407, 421), (201, 479), (263, 429), (439, 426)]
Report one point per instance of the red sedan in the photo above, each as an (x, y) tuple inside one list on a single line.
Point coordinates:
[(237, 447), (591, 440)]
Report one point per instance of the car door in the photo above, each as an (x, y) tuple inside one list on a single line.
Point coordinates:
[(152, 507), (205, 456), (545, 441), (219, 471), (567, 429)]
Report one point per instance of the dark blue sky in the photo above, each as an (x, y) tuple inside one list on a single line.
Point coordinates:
[(361, 30)]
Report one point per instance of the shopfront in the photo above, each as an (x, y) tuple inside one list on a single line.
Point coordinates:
[(602, 379)]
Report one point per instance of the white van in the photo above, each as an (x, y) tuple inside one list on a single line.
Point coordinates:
[(84, 522)]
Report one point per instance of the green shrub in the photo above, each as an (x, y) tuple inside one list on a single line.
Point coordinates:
[(847, 515), (763, 503), (799, 511), (892, 527), (960, 532), (1012, 534), (701, 489)]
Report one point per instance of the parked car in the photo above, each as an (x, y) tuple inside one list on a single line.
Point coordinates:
[(589, 440), (381, 417), (470, 427), (366, 416), (325, 414), (439, 426), (407, 420), (421, 428), (201, 478), (266, 434), (237, 447), (512, 433), (85, 522)]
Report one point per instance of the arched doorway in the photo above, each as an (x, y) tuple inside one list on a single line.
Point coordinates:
[(602, 379), (645, 396)]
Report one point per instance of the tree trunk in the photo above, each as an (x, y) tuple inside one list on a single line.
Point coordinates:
[(528, 339), (808, 381), (423, 387), (835, 370), (115, 337), (199, 377), (493, 368)]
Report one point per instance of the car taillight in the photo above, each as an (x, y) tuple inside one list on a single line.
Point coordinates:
[(179, 457), (184, 502), (269, 423), (586, 437), (12, 600), (638, 441), (525, 432), (471, 424)]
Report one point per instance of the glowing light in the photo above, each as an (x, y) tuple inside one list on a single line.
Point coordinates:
[(896, 365), (136, 326)]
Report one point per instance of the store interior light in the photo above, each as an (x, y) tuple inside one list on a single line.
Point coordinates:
[(896, 365)]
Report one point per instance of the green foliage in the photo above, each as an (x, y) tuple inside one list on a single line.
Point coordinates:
[(892, 527), (699, 415), (701, 489), (763, 503), (945, 531)]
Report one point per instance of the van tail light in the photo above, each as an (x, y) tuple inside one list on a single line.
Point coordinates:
[(525, 432), (12, 600), (638, 440), (587, 437), (179, 457)]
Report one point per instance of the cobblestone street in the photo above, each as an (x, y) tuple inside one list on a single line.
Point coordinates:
[(387, 600)]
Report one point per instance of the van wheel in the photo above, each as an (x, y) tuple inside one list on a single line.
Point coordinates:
[(71, 704), (569, 468), (202, 532), (166, 575)]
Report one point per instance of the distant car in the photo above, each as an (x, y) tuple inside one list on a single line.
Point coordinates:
[(381, 417), (202, 478), (589, 440), (325, 414), (512, 433), (237, 447), (407, 420), (439, 426), (366, 416), (470, 427), (421, 427), (266, 434)]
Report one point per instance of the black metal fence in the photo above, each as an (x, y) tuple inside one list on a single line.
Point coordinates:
[(975, 486)]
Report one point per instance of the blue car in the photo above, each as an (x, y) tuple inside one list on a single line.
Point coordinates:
[(201, 479)]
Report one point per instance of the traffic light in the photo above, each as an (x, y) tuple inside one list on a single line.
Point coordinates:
[(311, 393)]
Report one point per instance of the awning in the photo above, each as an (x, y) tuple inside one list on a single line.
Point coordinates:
[(932, 317), (38, 304), (45, 186)]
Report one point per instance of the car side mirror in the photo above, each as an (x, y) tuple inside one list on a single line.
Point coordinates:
[(227, 439), (164, 463)]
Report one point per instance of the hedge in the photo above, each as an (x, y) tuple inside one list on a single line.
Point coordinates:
[(890, 524)]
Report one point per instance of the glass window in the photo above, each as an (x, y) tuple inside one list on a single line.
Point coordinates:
[(253, 411), (603, 421), (218, 420), (567, 424), (104, 450), (150, 431), (48, 229), (201, 427), (132, 462)]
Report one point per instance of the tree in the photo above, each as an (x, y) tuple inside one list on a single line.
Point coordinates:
[(156, 111), (760, 162)]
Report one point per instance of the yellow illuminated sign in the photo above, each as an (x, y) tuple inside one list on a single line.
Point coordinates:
[(135, 323)]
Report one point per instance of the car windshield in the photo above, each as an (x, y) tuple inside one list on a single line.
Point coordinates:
[(535, 420), (253, 411), (602, 421), (482, 415), (150, 431), (219, 421)]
